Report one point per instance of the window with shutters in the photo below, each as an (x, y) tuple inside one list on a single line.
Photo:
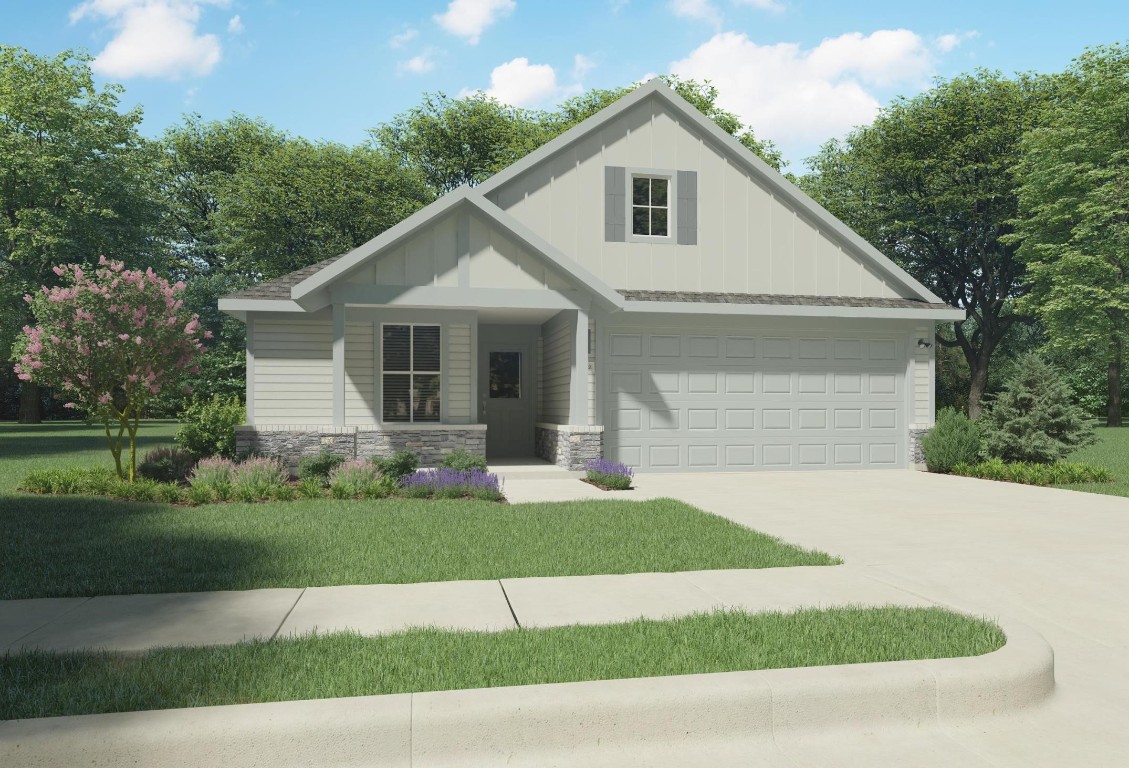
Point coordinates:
[(410, 372), (650, 206)]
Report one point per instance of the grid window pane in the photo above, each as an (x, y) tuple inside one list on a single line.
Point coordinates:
[(658, 192), (640, 191), (425, 348), (425, 397), (658, 221), (397, 396), (397, 353), (641, 221)]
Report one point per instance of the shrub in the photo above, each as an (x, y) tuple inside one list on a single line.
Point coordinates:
[(1059, 473), (311, 487), (258, 479), (169, 493), (1033, 419), (397, 467), (96, 481), (462, 459), (446, 483), (359, 479), (318, 467), (954, 439), (167, 465), (214, 477), (609, 474), (140, 489), (199, 494), (208, 427)]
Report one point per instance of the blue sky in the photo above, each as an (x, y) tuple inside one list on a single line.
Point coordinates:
[(798, 71)]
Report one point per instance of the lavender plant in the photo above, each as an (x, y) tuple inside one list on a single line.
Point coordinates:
[(608, 474), (448, 483)]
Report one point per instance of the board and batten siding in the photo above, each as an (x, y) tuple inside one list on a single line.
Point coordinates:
[(748, 240), (293, 371), (458, 374), (556, 368), (431, 256)]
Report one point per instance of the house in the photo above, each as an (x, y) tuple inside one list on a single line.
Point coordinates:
[(642, 287)]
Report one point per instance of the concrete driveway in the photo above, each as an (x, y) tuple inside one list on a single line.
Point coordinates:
[(1056, 560)]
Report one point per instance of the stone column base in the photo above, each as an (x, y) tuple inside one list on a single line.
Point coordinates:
[(916, 454), (431, 442), (568, 445)]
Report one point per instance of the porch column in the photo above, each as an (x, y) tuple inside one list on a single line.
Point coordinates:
[(578, 384), (338, 365)]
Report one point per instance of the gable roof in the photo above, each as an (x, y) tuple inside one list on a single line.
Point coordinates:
[(734, 150), (334, 268), (279, 287)]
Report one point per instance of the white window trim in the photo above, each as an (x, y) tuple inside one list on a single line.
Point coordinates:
[(630, 174), (412, 372)]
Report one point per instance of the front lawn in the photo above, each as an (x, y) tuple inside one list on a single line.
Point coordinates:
[(1111, 452), (68, 546), (50, 684)]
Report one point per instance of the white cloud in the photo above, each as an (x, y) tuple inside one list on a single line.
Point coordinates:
[(946, 43), (763, 5), (581, 65), (154, 38), (235, 26), (402, 39), (799, 97), (468, 19), (522, 84), (417, 65), (699, 10)]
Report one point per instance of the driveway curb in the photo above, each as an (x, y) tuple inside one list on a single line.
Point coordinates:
[(547, 723)]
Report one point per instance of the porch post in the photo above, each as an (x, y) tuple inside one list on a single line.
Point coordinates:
[(338, 365), (578, 384)]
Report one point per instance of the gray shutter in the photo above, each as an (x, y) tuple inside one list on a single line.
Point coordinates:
[(687, 212), (615, 204)]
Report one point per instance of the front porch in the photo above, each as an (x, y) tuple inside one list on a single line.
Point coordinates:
[(506, 384)]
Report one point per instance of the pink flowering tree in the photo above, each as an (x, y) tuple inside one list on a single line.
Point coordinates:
[(110, 342)]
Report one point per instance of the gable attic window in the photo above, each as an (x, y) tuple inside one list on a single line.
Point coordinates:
[(650, 206), (410, 372)]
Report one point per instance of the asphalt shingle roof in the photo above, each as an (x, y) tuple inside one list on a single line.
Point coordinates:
[(768, 298), (279, 288)]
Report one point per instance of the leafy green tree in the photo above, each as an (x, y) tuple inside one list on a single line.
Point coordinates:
[(299, 203), (452, 142), (199, 159), (74, 182), (1033, 418), (930, 184), (1073, 222)]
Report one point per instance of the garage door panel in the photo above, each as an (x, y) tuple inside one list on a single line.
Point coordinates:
[(701, 401)]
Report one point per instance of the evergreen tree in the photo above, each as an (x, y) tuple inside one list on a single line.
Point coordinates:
[(1033, 418)]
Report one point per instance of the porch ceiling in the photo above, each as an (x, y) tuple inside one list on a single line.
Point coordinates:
[(503, 316)]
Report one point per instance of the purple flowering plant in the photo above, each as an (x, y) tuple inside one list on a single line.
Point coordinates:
[(448, 483), (609, 475)]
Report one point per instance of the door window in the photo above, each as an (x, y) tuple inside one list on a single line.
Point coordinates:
[(505, 375)]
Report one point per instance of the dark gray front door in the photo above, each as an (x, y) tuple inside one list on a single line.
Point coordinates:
[(506, 393)]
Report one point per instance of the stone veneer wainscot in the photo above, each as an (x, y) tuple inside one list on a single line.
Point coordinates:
[(916, 454), (431, 442), (568, 445)]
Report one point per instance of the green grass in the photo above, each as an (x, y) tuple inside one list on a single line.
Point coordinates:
[(67, 546), (42, 684), (1111, 452)]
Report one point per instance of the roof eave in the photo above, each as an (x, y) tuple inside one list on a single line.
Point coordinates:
[(794, 310)]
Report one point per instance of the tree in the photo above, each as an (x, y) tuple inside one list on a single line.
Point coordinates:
[(1033, 418), (930, 184), (299, 203), (111, 342), (74, 176), (459, 141), (1073, 220)]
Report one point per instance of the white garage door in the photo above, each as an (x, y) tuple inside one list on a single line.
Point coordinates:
[(719, 401)]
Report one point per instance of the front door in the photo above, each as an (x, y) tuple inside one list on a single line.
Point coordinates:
[(505, 393)]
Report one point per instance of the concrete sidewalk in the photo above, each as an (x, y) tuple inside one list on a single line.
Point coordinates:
[(139, 622)]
